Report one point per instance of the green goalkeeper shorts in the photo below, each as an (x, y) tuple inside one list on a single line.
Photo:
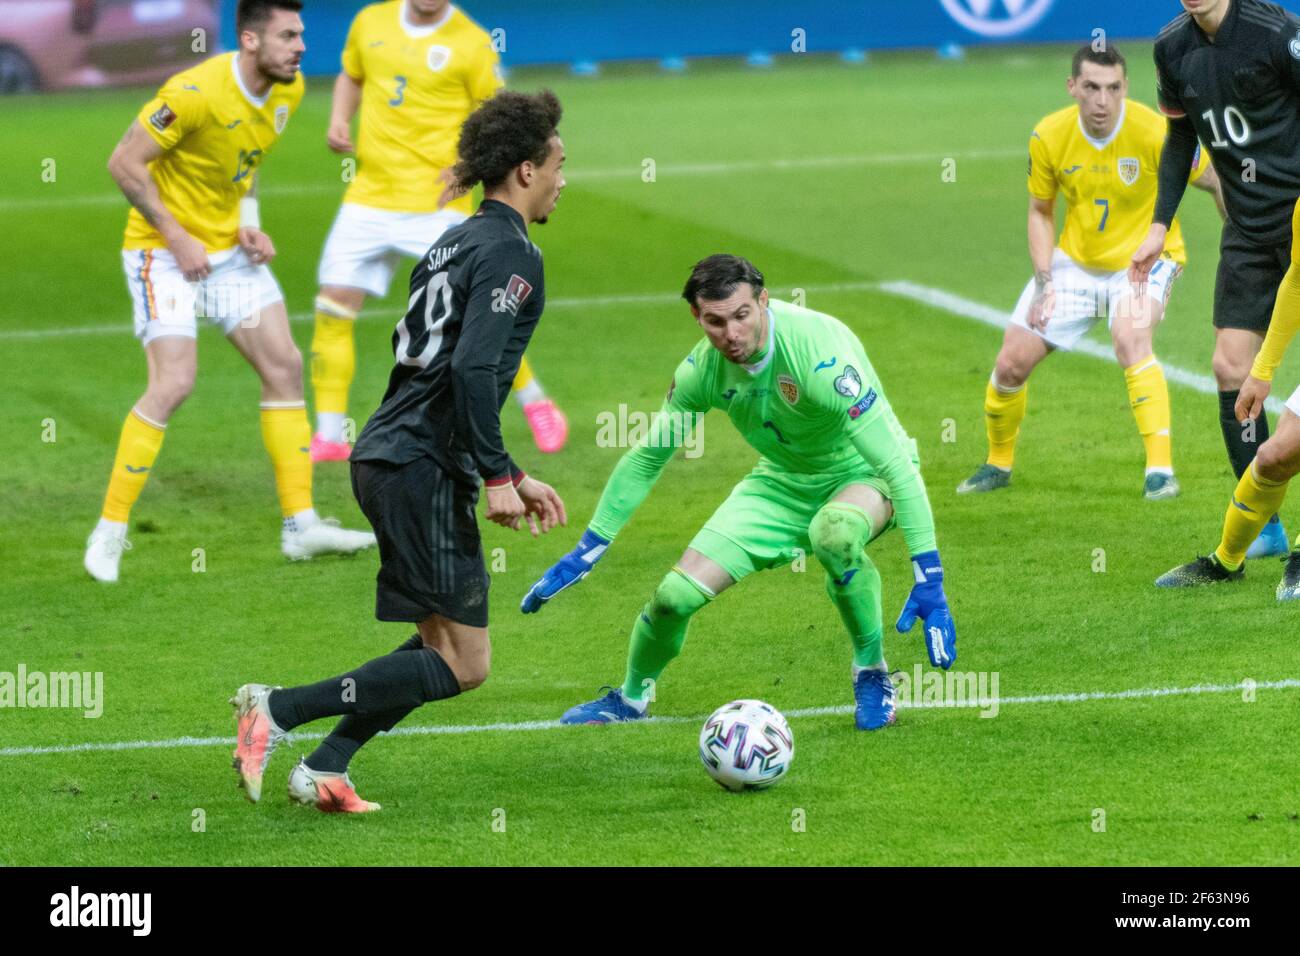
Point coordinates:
[(764, 521)]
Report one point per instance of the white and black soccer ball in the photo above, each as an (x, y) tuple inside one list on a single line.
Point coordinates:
[(746, 745)]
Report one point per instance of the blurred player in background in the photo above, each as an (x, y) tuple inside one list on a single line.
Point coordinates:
[(416, 69), (416, 469), (835, 468), (194, 247), (1228, 73), (1102, 154), (1263, 485)]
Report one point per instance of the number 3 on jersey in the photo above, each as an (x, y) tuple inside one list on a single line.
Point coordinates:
[(427, 336), (400, 93)]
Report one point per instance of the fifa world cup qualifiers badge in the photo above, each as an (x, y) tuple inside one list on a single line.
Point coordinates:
[(162, 118), (510, 298)]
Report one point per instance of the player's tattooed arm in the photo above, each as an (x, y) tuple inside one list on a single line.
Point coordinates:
[(1042, 242), (129, 167)]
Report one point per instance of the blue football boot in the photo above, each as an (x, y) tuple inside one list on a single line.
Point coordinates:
[(874, 692), (1272, 541), (1159, 486), (611, 708)]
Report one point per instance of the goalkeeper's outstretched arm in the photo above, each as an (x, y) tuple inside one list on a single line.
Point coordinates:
[(628, 485)]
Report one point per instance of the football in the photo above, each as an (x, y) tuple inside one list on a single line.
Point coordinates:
[(746, 745)]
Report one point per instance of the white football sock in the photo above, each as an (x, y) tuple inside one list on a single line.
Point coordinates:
[(882, 666), (532, 392), (329, 425), (301, 521)]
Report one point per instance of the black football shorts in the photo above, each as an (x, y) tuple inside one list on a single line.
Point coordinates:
[(1247, 281), (430, 553)]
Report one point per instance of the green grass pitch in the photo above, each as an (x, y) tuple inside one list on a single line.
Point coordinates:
[(1050, 582)]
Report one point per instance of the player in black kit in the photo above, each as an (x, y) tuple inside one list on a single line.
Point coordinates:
[(475, 299), (1228, 72)]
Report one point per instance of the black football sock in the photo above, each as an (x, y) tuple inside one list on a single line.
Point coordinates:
[(395, 681), (353, 732), (1240, 451)]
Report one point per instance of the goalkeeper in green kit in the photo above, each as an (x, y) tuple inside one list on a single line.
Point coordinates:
[(836, 470)]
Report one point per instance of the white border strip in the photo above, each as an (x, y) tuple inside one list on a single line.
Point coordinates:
[(1289, 683)]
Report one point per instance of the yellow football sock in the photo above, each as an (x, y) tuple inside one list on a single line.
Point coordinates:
[(1148, 395), (333, 356), (136, 450), (1003, 412), (287, 436), (524, 377), (1254, 501), (526, 388)]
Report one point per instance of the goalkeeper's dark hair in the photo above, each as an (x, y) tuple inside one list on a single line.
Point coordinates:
[(254, 14), (509, 129), (717, 276), (1106, 55)]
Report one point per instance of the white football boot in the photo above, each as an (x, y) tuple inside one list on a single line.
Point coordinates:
[(104, 550), (323, 536), (256, 737), (327, 792)]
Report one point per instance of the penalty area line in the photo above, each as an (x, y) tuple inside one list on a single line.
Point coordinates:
[(968, 308), (1141, 693)]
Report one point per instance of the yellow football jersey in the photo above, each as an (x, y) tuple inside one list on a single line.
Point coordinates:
[(1109, 187), (216, 134), (419, 83)]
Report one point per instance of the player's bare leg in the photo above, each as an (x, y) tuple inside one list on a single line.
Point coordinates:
[(840, 532), (265, 341), (333, 366), (657, 638), (1005, 400), (172, 361), (1132, 332), (1234, 353)]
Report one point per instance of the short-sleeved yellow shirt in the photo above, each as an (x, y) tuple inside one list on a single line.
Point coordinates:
[(216, 134), (1110, 186), (419, 84)]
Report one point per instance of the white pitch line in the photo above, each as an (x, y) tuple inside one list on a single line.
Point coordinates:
[(1140, 693), (632, 172), (957, 305), (927, 295), (570, 302)]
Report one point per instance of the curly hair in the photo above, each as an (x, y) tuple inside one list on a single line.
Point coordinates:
[(508, 129)]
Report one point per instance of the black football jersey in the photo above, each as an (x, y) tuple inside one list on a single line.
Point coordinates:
[(1241, 92), (475, 299)]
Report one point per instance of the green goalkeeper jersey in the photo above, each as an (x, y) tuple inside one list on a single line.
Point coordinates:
[(810, 404)]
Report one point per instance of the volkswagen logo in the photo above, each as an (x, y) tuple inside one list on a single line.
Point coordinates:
[(997, 18)]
